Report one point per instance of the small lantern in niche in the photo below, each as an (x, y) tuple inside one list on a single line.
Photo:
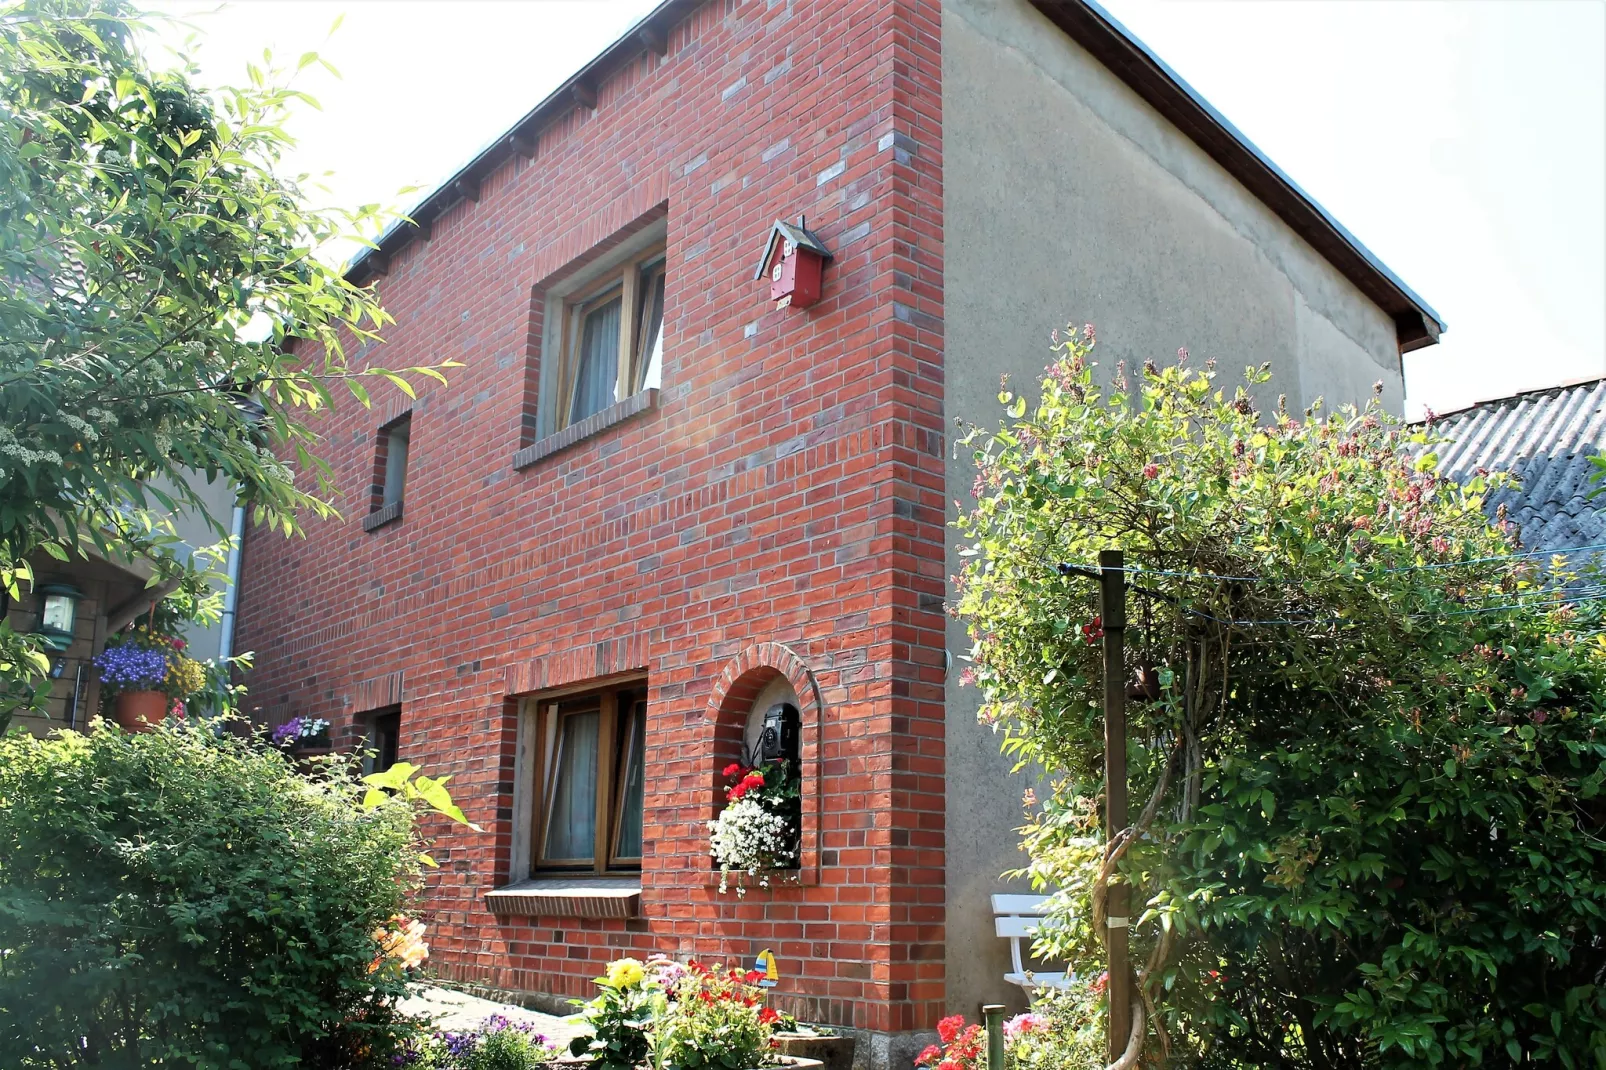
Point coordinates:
[(58, 614), (794, 261)]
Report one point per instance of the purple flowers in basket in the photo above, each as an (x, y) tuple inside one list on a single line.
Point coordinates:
[(132, 668), (299, 728)]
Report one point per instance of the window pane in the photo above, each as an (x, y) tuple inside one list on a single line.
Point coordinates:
[(649, 363), (386, 741), (397, 441), (597, 361), (572, 827), (630, 804)]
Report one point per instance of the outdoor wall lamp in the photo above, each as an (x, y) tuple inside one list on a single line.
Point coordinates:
[(58, 613)]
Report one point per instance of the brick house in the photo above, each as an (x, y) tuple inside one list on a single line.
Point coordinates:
[(652, 502)]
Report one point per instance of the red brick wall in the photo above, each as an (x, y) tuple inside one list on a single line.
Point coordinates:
[(786, 489)]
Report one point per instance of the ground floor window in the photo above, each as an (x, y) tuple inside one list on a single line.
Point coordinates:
[(384, 739), (589, 780)]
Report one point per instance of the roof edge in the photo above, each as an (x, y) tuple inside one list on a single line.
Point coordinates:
[(1517, 395), (1120, 50)]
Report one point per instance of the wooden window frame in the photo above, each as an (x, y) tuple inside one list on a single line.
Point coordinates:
[(625, 283), (546, 713)]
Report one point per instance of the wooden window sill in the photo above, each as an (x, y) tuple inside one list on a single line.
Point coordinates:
[(595, 424), (571, 897), (380, 517)]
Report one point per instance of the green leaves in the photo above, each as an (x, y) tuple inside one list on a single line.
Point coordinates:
[(164, 286), (1375, 767), (400, 783), (183, 897)]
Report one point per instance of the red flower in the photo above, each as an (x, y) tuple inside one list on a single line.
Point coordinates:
[(737, 792), (754, 779), (753, 977), (705, 996), (949, 1027), (931, 1052), (733, 769), (768, 1016), (178, 644), (1093, 631), (1151, 470)]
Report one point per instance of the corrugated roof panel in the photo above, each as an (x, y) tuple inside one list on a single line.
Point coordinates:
[(1545, 438)]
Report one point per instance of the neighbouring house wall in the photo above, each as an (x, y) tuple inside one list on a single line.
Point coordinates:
[(75, 693), (196, 533), (777, 506), (1069, 199)]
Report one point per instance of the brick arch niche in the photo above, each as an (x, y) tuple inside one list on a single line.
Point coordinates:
[(743, 679)]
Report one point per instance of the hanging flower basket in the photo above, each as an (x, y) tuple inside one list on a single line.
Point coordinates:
[(140, 711)]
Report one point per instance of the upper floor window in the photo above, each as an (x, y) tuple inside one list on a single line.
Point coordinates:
[(612, 345), (395, 441), (390, 472)]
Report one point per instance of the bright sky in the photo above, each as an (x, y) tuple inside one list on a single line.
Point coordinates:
[(1463, 142)]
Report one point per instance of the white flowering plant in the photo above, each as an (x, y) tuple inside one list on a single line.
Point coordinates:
[(760, 828)]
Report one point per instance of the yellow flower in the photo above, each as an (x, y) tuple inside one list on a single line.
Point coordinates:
[(625, 973), (404, 942)]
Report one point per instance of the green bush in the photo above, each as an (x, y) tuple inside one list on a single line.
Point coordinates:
[(1368, 827), (186, 898)]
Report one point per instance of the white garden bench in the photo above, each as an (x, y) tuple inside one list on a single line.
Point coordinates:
[(1017, 918)]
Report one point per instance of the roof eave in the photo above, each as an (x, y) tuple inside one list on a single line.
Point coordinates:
[(1416, 323)]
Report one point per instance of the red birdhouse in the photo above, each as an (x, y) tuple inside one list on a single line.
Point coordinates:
[(794, 260)]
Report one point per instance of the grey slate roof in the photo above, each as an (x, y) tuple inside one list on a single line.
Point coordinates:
[(1545, 438)]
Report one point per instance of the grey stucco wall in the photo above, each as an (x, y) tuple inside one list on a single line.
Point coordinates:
[(1068, 199)]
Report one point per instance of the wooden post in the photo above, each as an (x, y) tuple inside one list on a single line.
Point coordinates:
[(1112, 610), (993, 1014)]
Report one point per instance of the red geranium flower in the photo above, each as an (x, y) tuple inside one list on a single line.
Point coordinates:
[(753, 977), (767, 1016), (931, 1052), (949, 1027), (733, 769)]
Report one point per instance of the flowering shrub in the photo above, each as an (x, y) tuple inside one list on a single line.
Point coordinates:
[(401, 944), (299, 730), (1368, 777), (143, 660), (1066, 1028), (963, 1047), (498, 1044), (715, 1020), (759, 828), (620, 1015)]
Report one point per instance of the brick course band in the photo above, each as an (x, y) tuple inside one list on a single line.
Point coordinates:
[(378, 693)]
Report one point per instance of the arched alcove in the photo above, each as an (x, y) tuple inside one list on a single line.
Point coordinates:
[(743, 690)]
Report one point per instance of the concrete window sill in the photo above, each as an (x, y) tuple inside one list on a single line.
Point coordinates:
[(576, 897), (380, 517), (595, 424)]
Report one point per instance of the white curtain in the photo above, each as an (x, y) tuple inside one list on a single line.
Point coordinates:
[(598, 362), (572, 828)]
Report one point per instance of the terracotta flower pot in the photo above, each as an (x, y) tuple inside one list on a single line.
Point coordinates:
[(140, 711)]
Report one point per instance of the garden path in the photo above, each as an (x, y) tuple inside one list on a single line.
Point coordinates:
[(453, 1010)]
